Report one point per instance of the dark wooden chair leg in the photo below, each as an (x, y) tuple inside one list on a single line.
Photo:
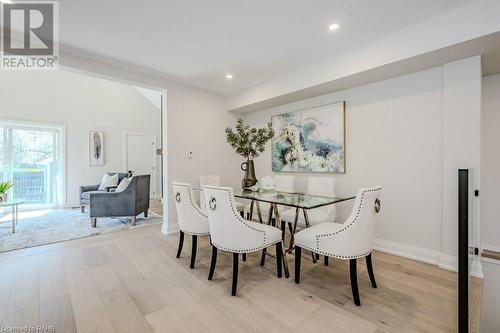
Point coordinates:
[(244, 257), (263, 257), (181, 242), (354, 281), (298, 252), (326, 260), (317, 256), (279, 259), (369, 266), (212, 263), (283, 229), (235, 274), (193, 251), (290, 227), (242, 214), (146, 213)]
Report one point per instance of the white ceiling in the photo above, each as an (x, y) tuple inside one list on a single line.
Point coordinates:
[(198, 42)]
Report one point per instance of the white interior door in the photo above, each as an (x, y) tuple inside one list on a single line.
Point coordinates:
[(140, 156)]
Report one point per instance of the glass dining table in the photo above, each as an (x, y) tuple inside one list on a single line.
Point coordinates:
[(299, 201), (14, 204)]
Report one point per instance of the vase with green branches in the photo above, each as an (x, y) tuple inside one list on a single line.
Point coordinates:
[(4, 188), (249, 142)]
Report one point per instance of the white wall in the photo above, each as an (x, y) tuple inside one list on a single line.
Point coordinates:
[(82, 103), (461, 146), (195, 122), (490, 303), (395, 137), (490, 163)]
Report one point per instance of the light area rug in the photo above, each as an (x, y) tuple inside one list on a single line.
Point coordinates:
[(56, 225)]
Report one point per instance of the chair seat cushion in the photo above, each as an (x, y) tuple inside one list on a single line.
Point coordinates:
[(307, 237), (86, 195), (201, 230), (267, 236), (316, 216), (273, 235)]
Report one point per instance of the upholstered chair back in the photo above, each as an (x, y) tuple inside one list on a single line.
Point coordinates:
[(355, 237), (213, 180), (285, 183), (323, 186), (192, 220), (228, 230)]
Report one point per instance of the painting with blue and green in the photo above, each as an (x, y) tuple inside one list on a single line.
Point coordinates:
[(311, 140)]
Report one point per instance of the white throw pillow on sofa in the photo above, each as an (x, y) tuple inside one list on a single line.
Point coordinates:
[(123, 184), (108, 181)]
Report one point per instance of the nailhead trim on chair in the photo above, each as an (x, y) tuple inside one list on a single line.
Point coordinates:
[(195, 234), (246, 250), (195, 207), (342, 230), (244, 223), (191, 201)]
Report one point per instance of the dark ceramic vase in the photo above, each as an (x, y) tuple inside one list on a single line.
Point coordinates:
[(249, 180)]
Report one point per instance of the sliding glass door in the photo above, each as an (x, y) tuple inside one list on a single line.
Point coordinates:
[(30, 160)]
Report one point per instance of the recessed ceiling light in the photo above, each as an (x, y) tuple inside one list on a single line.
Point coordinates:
[(229, 76), (333, 26)]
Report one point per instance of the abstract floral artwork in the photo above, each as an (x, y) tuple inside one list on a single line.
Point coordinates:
[(311, 140)]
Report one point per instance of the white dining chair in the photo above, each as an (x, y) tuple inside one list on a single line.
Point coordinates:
[(320, 186), (350, 240), (215, 180), (192, 220), (283, 183), (231, 233)]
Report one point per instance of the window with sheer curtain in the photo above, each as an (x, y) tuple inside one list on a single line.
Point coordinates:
[(30, 157)]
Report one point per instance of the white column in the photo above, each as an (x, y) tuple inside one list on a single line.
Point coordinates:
[(461, 148)]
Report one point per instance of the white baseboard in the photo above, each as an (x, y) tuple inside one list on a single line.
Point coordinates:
[(490, 261), (168, 228), (408, 251), (476, 269), (442, 260), (448, 262)]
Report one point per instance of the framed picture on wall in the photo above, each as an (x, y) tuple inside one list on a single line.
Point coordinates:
[(96, 148), (311, 140)]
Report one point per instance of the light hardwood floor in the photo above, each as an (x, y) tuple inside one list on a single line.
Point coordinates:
[(130, 281), (156, 206)]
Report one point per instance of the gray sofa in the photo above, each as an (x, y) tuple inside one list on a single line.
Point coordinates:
[(85, 191), (133, 201)]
